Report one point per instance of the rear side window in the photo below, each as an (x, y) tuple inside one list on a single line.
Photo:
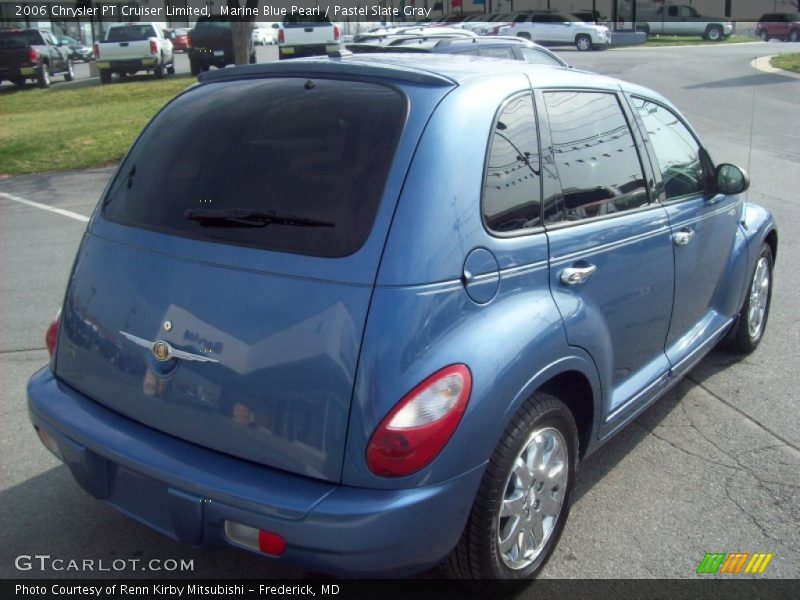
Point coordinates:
[(595, 156), (537, 57), (314, 154), (497, 52), (512, 184)]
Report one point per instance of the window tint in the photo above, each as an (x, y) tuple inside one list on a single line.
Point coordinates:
[(316, 150), (676, 150), (512, 190), (595, 156), (497, 52), (537, 57)]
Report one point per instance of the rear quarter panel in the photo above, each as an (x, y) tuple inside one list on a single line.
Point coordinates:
[(421, 318)]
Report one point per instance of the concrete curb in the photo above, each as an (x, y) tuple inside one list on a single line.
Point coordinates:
[(762, 64)]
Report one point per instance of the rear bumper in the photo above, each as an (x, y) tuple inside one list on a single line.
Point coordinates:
[(298, 51), (138, 64), (188, 492), (11, 73)]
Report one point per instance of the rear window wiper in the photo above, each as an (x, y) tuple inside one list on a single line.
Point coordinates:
[(243, 217)]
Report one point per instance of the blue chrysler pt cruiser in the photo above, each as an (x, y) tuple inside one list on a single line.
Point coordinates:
[(365, 315)]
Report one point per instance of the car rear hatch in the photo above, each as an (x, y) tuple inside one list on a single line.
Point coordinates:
[(221, 291)]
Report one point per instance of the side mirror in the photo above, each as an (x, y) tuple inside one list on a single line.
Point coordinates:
[(731, 179)]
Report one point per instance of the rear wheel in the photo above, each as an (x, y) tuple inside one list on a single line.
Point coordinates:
[(194, 67), (714, 33), (794, 35), (523, 500), (158, 72), (171, 70), (70, 74), (43, 77), (20, 82), (583, 42), (752, 320), (105, 76), (765, 36)]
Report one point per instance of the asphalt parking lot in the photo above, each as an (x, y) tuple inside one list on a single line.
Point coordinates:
[(713, 467)]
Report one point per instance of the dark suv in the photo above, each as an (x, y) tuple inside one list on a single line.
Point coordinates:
[(782, 26), (211, 44)]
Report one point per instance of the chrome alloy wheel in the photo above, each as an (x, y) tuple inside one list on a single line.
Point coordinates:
[(759, 296), (533, 498)]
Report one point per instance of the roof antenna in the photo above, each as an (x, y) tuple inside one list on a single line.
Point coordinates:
[(750, 147)]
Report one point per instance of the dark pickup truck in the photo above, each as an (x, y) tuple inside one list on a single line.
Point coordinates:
[(32, 54), (212, 45)]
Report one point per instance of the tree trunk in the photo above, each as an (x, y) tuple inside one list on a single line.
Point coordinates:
[(242, 31)]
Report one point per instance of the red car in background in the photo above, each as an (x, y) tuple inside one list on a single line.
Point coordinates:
[(179, 39), (781, 26)]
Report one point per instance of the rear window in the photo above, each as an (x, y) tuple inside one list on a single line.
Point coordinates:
[(20, 39), (211, 22), (306, 21), (130, 33), (316, 150)]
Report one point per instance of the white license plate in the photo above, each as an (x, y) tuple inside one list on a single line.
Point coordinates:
[(219, 53)]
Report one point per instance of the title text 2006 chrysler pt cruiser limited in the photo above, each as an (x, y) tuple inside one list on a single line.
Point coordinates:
[(368, 317)]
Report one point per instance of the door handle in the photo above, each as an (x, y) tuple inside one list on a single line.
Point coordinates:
[(576, 275), (683, 237)]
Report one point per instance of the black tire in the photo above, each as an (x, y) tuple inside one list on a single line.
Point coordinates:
[(194, 67), (794, 35), (158, 72), (524, 35), (764, 36), (742, 338), (43, 76), (583, 42), (20, 82), (476, 561), (646, 31), (70, 74), (171, 70), (252, 59), (714, 33), (105, 76)]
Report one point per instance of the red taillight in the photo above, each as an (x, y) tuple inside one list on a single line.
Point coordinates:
[(421, 424), (51, 335), (188, 41), (281, 39), (96, 50), (153, 47), (271, 543), (33, 56), (336, 33)]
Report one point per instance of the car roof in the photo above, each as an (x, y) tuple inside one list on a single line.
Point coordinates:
[(433, 69)]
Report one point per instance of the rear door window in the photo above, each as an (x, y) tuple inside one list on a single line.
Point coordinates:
[(595, 156), (314, 154)]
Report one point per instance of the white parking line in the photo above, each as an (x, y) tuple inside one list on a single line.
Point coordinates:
[(59, 211)]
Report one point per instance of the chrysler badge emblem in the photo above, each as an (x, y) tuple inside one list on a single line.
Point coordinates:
[(161, 351)]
